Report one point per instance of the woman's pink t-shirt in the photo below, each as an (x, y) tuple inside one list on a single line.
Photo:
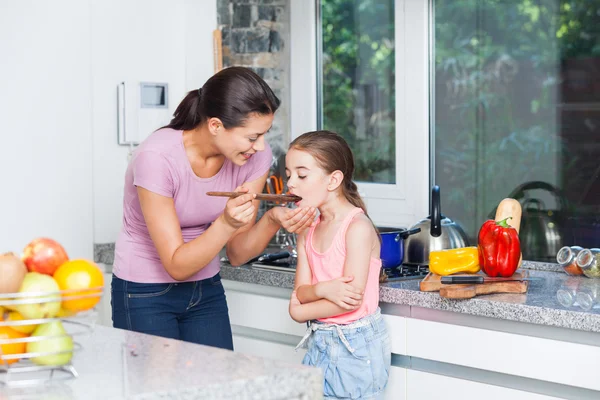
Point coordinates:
[(160, 165), (330, 265)]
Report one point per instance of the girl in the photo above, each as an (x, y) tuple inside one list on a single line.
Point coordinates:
[(337, 275)]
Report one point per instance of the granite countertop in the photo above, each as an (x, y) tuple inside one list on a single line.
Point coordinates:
[(119, 364), (556, 299)]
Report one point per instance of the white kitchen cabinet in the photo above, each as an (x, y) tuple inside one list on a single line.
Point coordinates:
[(396, 327), (104, 309), (261, 311), (267, 349), (424, 385), (262, 326), (518, 355), (396, 387)]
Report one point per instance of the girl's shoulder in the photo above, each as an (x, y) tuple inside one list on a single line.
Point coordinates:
[(361, 225)]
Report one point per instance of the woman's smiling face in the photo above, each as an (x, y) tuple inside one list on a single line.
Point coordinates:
[(239, 144), (306, 178)]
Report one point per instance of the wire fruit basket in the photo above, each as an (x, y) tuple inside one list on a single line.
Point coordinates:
[(46, 351)]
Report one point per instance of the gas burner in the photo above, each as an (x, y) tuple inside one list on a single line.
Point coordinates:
[(406, 272)]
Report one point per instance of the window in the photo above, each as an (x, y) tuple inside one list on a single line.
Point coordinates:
[(349, 74), (516, 113), (357, 81)]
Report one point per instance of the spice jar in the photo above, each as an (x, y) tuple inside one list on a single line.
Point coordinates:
[(588, 294), (589, 262), (567, 257), (567, 293)]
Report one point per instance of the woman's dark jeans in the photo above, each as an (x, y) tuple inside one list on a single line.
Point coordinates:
[(192, 311)]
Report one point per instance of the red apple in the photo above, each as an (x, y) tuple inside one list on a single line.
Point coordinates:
[(44, 255)]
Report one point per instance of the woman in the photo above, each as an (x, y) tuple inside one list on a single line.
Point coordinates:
[(166, 272)]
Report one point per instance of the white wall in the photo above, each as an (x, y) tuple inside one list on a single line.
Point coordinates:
[(134, 41), (200, 22), (61, 168), (45, 120)]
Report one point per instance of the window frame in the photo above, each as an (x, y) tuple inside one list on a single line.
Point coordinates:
[(407, 201)]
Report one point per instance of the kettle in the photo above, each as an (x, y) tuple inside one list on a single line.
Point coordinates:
[(437, 233), (542, 230)]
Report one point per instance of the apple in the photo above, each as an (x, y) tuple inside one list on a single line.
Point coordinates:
[(37, 283), (44, 255), (56, 348)]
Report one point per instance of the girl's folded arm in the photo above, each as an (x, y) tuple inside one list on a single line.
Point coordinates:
[(317, 309), (358, 258), (305, 290), (358, 254)]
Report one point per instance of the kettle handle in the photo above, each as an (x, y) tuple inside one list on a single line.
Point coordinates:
[(436, 212)]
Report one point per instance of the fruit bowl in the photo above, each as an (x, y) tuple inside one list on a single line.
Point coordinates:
[(38, 336)]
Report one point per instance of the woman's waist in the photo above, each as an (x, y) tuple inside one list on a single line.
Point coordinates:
[(141, 263)]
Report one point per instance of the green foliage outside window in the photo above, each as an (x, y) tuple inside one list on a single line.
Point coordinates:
[(358, 82)]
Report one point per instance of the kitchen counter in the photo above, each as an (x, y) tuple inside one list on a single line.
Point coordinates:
[(550, 301), (118, 364)]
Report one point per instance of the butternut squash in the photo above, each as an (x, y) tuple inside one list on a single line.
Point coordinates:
[(510, 208)]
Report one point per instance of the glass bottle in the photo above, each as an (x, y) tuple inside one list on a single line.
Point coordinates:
[(567, 293), (588, 294), (567, 257), (589, 262)]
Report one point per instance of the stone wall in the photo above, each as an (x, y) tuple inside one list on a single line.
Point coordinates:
[(256, 35)]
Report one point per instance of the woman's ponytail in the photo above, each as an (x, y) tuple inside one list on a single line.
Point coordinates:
[(231, 95), (188, 114)]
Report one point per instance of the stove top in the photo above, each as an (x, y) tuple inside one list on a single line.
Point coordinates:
[(283, 265), (406, 272)]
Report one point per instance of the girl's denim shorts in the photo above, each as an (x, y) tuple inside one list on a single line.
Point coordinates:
[(355, 358)]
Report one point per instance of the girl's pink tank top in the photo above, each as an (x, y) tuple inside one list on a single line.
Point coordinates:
[(330, 265)]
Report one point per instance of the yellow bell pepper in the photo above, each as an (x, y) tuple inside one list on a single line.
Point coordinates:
[(454, 261)]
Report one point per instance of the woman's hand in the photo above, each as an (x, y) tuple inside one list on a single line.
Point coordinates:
[(340, 292), (239, 211), (293, 220)]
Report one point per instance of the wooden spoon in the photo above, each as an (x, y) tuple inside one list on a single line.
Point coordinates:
[(282, 198)]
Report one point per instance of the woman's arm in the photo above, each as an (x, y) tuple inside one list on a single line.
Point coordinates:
[(252, 239), (358, 258), (182, 260)]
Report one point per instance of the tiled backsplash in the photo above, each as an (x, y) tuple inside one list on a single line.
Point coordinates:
[(256, 35)]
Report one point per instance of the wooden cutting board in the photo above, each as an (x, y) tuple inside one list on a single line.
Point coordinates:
[(432, 283)]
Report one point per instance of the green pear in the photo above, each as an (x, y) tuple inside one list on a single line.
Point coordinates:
[(57, 341), (35, 282)]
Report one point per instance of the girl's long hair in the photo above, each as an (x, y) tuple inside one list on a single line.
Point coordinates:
[(333, 153)]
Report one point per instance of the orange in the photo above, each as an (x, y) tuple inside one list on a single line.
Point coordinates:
[(78, 275), (11, 348), (15, 316)]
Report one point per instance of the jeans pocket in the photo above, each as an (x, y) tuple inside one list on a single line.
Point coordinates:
[(216, 280), (136, 290)]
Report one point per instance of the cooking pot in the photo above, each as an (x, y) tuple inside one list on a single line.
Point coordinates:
[(392, 245), (437, 233)]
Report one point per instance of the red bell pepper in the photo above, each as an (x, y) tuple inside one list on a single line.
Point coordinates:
[(499, 248)]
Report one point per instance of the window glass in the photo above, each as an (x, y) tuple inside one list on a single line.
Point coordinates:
[(357, 98), (517, 114)]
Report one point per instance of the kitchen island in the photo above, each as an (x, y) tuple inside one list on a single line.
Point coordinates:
[(544, 344), (118, 364)]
